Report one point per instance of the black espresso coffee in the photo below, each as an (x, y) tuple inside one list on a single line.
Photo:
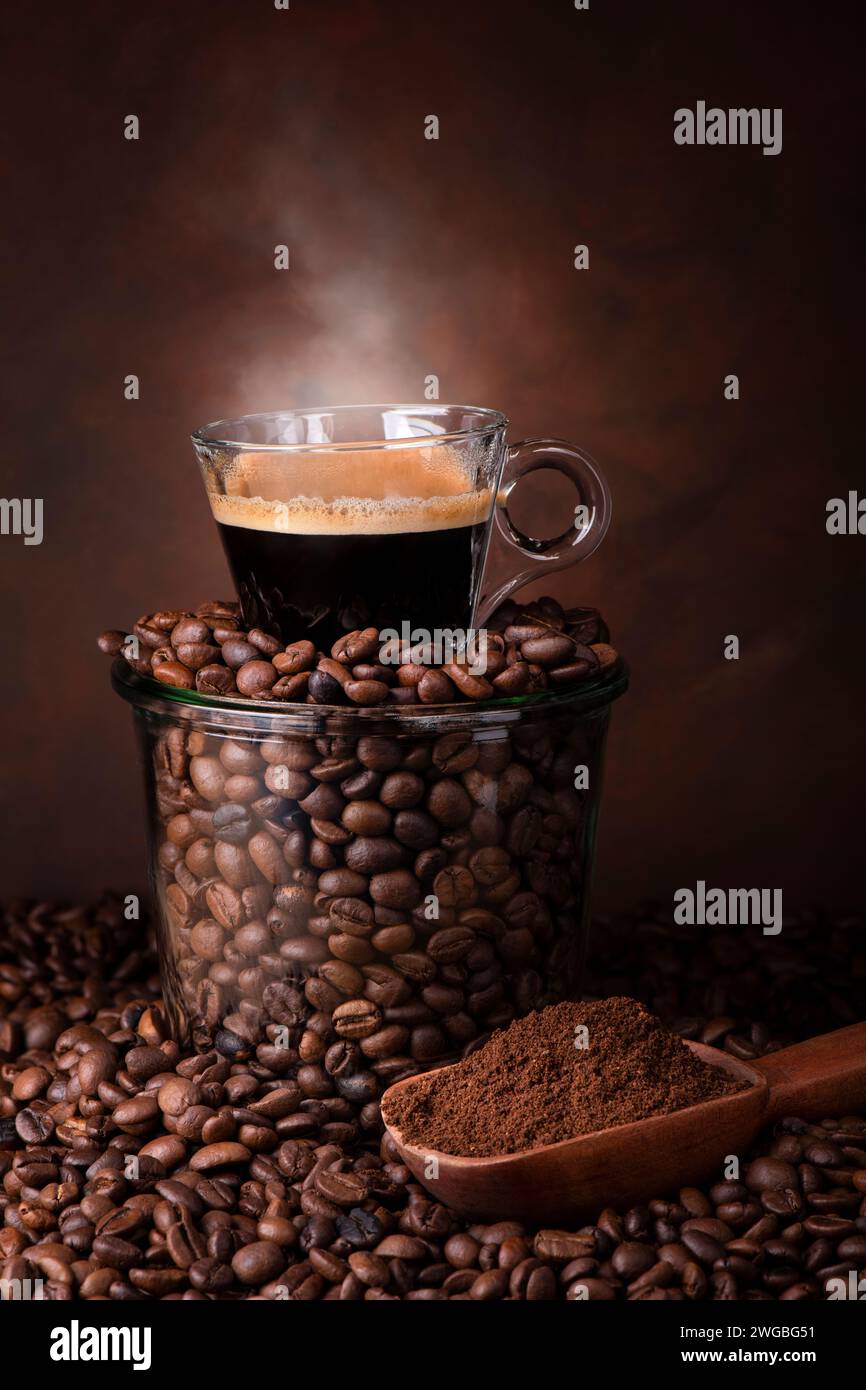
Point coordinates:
[(318, 548)]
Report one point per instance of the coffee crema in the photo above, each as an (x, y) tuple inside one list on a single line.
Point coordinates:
[(374, 492), (323, 543)]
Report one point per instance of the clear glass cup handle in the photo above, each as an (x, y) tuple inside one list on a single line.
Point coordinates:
[(587, 531)]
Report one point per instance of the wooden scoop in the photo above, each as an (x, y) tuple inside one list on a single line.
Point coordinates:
[(628, 1164)]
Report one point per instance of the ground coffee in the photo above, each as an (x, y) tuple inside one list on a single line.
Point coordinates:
[(535, 1082)]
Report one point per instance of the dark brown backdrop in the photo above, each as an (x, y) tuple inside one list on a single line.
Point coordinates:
[(453, 257)]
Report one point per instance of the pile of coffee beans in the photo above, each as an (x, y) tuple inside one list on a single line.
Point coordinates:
[(735, 988), (82, 953), (530, 648), (133, 1171)]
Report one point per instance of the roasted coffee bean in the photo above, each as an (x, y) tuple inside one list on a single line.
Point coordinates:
[(436, 688), (116, 1252), (342, 1189), (215, 1156), (174, 673), (455, 753), (111, 642), (35, 1126), (771, 1173), (255, 678), (137, 1114), (357, 1018), (323, 689), (461, 1251), (258, 1263), (702, 1246), (236, 651), (561, 1246), (592, 1290), (401, 790), (30, 1083), (214, 679), (631, 1259), (297, 657)]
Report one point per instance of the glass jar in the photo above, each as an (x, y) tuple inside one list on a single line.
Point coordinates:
[(367, 892)]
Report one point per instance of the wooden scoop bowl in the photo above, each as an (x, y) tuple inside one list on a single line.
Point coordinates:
[(628, 1164)]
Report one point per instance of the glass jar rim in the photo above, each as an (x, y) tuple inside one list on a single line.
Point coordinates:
[(217, 434), (269, 716)]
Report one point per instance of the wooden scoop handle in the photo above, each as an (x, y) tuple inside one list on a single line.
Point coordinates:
[(824, 1077)]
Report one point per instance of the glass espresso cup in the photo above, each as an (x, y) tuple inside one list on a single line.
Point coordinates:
[(346, 517)]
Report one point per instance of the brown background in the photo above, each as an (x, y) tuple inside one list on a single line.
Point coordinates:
[(453, 257)]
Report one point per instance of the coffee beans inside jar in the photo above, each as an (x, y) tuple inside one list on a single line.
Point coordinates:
[(368, 896), (374, 902)]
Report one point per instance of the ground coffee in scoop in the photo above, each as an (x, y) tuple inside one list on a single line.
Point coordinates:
[(569, 1069)]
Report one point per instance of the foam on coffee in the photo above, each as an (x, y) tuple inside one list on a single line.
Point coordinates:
[(371, 492)]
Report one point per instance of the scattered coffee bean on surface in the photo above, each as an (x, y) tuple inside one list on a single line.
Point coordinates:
[(535, 1082), (268, 1216)]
